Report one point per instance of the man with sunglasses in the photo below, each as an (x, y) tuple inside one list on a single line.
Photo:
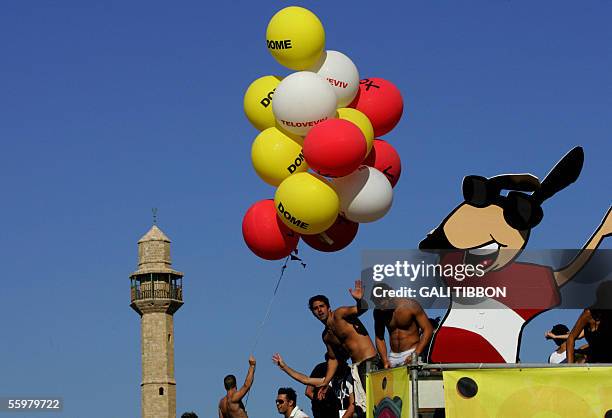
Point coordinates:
[(340, 403), (286, 404)]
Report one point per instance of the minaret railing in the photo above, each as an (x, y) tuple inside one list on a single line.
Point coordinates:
[(156, 286)]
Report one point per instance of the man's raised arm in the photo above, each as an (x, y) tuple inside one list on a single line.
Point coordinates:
[(300, 377), (248, 382), (360, 305)]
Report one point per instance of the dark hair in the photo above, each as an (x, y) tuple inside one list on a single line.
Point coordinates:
[(601, 309), (378, 299), (320, 298), (559, 329), (290, 393), (189, 415), (229, 381)]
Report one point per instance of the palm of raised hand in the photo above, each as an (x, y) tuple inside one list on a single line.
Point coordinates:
[(357, 292)]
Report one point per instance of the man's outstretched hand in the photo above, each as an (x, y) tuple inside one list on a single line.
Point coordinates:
[(252, 360), (276, 358), (357, 292)]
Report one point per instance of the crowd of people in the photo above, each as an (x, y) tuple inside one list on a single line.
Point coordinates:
[(595, 326), (336, 387)]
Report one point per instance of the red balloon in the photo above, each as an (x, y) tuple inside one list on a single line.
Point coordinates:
[(337, 237), (335, 148), (381, 102), (265, 234), (385, 159)]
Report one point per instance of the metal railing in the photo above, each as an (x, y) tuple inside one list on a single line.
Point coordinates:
[(156, 286), (418, 369), (172, 293)]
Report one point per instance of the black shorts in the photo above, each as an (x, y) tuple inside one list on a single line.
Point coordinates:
[(367, 366)]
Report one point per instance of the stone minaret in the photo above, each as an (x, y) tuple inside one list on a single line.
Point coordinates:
[(156, 294)]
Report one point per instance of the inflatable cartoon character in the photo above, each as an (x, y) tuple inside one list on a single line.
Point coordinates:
[(491, 229)]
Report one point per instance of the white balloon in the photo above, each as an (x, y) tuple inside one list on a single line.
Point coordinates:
[(365, 194), (341, 73), (302, 100)]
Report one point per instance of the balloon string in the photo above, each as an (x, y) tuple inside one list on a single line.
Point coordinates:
[(267, 315)]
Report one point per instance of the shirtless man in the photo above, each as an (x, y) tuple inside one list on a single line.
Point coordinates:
[(409, 330), (231, 406), (344, 333)]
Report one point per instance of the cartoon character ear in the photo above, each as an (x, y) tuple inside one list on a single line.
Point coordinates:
[(520, 182), (564, 173)]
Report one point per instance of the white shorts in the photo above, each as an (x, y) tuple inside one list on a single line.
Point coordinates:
[(398, 359)]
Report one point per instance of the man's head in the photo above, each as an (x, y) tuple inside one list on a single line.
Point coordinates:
[(380, 296), (559, 329), (319, 306), (189, 415), (229, 382), (285, 400)]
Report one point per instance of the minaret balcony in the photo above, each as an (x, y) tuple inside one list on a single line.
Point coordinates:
[(156, 286)]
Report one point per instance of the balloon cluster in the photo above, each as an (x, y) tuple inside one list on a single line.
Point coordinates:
[(325, 119)]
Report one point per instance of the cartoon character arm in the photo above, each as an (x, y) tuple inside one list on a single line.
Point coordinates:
[(568, 272)]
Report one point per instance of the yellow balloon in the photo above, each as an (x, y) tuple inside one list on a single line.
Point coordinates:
[(362, 122), (295, 37), (306, 204), (258, 101), (276, 155)]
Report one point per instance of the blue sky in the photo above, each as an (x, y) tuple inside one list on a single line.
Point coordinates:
[(109, 109)]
